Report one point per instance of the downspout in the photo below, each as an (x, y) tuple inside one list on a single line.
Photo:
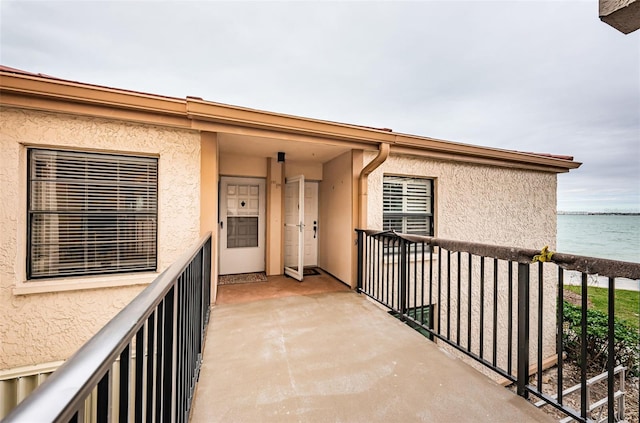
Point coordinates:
[(383, 153)]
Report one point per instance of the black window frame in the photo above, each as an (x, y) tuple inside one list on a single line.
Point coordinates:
[(119, 211)]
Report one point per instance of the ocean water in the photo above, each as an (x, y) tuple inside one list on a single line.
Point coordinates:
[(607, 236)]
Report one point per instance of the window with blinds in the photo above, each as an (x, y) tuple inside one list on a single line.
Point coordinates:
[(90, 213), (408, 205)]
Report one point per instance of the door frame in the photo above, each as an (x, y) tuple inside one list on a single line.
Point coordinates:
[(256, 262)]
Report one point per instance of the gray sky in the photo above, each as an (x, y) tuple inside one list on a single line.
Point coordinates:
[(542, 76)]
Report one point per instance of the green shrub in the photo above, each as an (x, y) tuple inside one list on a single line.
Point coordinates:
[(626, 340)]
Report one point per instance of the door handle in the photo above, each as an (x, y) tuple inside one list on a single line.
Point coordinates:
[(315, 230), (222, 224)]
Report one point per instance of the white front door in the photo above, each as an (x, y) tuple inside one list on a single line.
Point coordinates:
[(294, 227), (242, 225)]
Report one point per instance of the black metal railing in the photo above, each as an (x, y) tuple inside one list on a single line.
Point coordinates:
[(141, 366), (492, 304)]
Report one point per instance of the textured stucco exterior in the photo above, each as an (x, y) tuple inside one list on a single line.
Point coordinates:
[(50, 326), (486, 204)]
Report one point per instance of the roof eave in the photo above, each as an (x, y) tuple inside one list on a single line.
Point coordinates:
[(47, 93)]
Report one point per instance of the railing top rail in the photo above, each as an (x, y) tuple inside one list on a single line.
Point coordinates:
[(589, 265), (74, 380)]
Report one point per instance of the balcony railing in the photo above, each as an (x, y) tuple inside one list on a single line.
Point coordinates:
[(144, 364), (493, 305)]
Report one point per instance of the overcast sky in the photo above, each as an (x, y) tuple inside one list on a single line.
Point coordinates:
[(542, 76)]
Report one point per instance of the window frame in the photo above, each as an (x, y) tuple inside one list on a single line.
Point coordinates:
[(85, 215), (429, 215)]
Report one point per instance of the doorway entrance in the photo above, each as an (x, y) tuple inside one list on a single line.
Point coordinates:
[(242, 225), (301, 226)]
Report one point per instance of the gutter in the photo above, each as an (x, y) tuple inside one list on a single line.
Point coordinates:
[(383, 153)]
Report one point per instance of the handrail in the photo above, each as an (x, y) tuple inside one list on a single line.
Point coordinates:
[(58, 397), (494, 305), (591, 265)]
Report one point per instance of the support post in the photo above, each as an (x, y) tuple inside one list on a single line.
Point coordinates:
[(523, 329), (359, 275)]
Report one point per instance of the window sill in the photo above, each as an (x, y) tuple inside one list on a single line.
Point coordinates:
[(89, 282)]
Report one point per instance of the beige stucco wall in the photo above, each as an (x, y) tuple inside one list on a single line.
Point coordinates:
[(478, 203), (50, 326), (336, 217)]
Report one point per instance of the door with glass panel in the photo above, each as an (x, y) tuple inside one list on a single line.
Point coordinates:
[(242, 225)]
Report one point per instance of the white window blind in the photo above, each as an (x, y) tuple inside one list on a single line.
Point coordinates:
[(90, 213), (408, 205)]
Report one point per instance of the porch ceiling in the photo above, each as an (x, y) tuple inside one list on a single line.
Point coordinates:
[(299, 151)]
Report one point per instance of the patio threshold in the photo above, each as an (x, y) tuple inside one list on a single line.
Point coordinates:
[(337, 357)]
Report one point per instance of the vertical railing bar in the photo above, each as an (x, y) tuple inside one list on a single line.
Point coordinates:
[(181, 356), (359, 236), (469, 299), (392, 265), (402, 295), (168, 370), (159, 360), (540, 315), (398, 275), (367, 281), (510, 318), (422, 284), (523, 329), (439, 289), (481, 327), (378, 248), (192, 335), (559, 332), (383, 271), (415, 279), (583, 348), (495, 311), (611, 364), (139, 374), (150, 359), (378, 269), (371, 255), (448, 294), (459, 277), (103, 409), (124, 381), (431, 287)]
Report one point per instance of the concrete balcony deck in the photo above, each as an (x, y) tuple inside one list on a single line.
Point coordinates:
[(337, 357)]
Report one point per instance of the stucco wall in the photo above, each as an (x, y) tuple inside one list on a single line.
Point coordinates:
[(478, 203), (50, 326)]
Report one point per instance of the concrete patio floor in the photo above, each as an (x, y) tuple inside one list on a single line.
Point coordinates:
[(337, 357)]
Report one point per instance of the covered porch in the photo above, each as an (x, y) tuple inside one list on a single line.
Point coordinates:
[(337, 356)]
